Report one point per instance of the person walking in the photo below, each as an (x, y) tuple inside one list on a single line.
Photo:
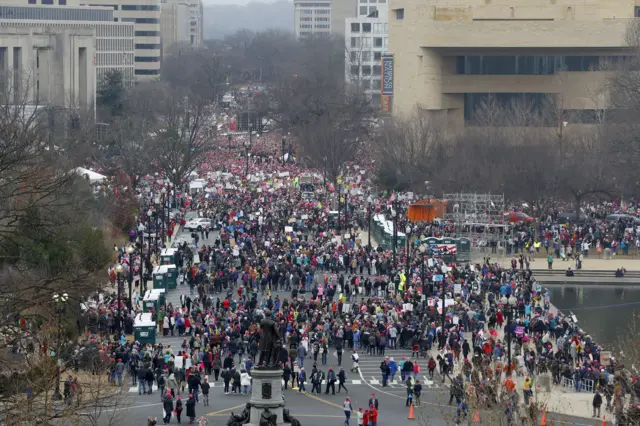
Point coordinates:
[(597, 403), (342, 377), (417, 391), (167, 407), (347, 410), (191, 409), (179, 409), (302, 377), (205, 386), (331, 382)]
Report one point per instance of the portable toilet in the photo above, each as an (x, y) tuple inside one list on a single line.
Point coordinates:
[(144, 329), (168, 256), (161, 295), (172, 276), (150, 301), (159, 277)]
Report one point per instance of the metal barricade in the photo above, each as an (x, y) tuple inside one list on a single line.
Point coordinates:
[(568, 383), (587, 385)]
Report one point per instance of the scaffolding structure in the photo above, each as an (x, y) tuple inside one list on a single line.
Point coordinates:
[(479, 217)]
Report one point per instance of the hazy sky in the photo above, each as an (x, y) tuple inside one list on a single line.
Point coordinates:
[(236, 1)]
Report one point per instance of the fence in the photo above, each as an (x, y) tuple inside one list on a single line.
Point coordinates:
[(588, 385)]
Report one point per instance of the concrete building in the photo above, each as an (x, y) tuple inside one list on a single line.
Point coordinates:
[(311, 18), (48, 63), (175, 24), (366, 41), (341, 10), (196, 22), (145, 15), (448, 58)]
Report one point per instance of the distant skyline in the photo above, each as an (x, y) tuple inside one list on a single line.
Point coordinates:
[(236, 2)]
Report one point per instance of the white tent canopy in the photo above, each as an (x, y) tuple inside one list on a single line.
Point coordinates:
[(90, 174)]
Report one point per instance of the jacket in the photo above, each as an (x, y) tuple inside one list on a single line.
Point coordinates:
[(245, 379)]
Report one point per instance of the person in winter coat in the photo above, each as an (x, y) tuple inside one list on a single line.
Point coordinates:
[(179, 409), (205, 391), (393, 368), (167, 406), (245, 381), (597, 403), (431, 366), (226, 377), (342, 377), (172, 384), (217, 366), (236, 388), (302, 378), (286, 375), (191, 409)]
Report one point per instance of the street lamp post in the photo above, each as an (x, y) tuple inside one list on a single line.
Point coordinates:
[(407, 235), (369, 220), (246, 168), (130, 251), (346, 209), (422, 249), (509, 305), (229, 140), (60, 302), (164, 216), (119, 271), (394, 215), (284, 141), (157, 213), (444, 315)]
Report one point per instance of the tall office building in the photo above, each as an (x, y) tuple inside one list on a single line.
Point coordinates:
[(341, 10), (58, 54), (196, 22), (448, 58), (145, 15), (311, 18), (366, 41), (175, 24)]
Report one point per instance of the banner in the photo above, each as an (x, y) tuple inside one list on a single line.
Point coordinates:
[(387, 75), (387, 104)]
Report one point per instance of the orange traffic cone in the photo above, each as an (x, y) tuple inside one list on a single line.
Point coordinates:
[(411, 415), (543, 421), (604, 420), (476, 417)]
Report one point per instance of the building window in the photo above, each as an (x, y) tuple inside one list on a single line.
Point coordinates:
[(47, 2), (535, 101), (143, 46), (372, 9), (366, 70), (375, 84), (140, 7), (62, 2), (377, 69), (363, 10), (147, 34), (355, 70), (142, 20), (530, 65), (366, 56), (637, 11), (366, 27), (147, 59), (366, 42), (147, 72), (399, 14), (377, 42), (355, 41), (355, 27), (32, 1), (353, 56), (377, 56), (366, 84)]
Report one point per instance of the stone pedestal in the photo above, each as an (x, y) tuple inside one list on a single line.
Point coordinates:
[(266, 393)]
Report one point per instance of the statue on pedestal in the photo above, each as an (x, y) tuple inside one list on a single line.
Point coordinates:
[(270, 342)]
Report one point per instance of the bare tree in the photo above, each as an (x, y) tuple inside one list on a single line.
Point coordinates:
[(409, 152)]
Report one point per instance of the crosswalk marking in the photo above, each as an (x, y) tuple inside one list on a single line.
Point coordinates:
[(356, 382), (135, 388), (374, 382)]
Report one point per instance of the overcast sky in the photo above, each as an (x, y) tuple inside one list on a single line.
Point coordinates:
[(240, 2)]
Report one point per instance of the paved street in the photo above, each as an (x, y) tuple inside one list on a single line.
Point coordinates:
[(317, 409)]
